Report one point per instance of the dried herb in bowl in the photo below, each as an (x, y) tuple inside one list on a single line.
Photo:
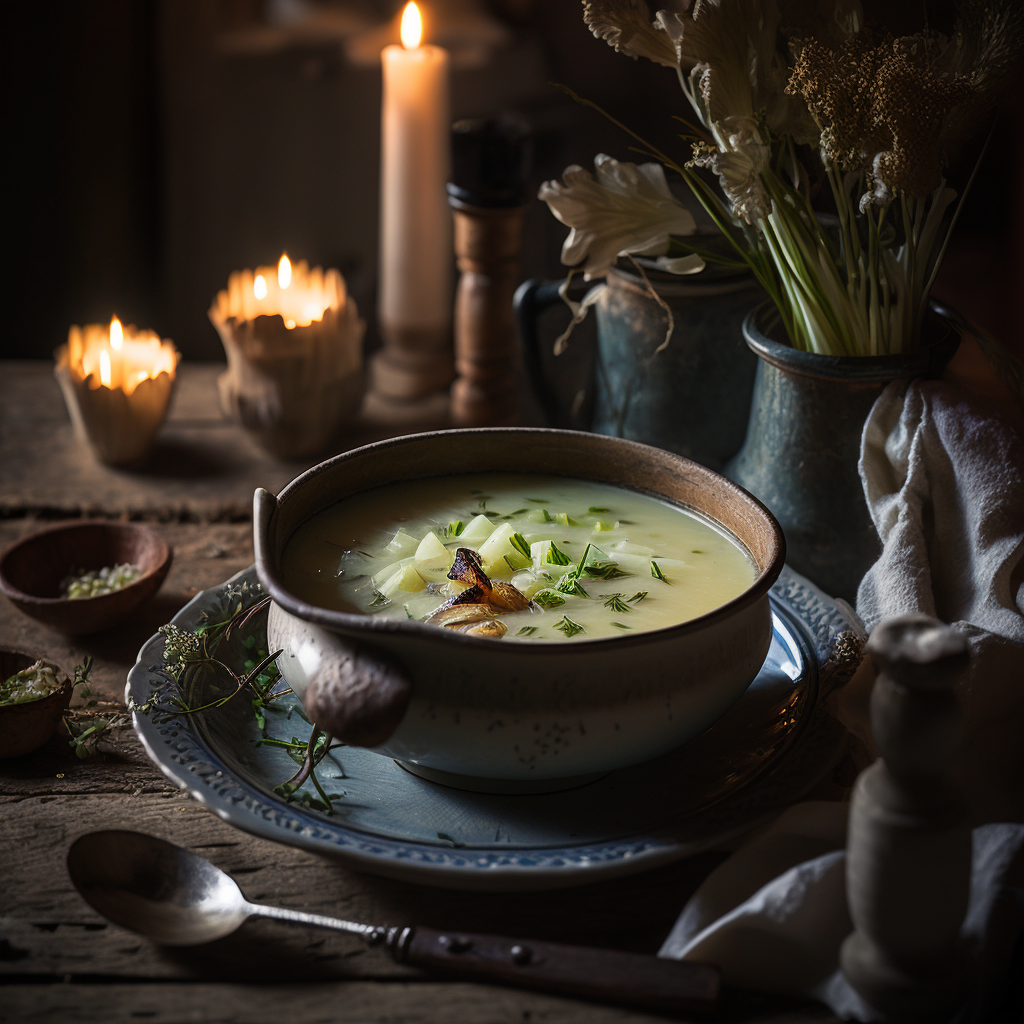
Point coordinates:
[(95, 582), (39, 680)]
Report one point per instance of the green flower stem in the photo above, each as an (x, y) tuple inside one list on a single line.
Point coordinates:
[(812, 315), (922, 297), (912, 226), (248, 679), (618, 124), (240, 621), (681, 247), (307, 770)]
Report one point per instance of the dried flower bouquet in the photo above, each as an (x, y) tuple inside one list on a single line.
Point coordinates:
[(772, 82)]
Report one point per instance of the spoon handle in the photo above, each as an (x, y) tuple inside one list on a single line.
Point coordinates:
[(369, 932), (604, 975), (630, 979)]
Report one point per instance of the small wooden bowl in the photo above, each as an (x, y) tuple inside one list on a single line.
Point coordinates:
[(32, 568), (26, 727)]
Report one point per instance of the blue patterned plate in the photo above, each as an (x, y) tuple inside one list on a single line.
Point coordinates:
[(768, 751)]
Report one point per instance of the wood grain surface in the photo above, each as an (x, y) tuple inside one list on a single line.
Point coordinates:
[(59, 961)]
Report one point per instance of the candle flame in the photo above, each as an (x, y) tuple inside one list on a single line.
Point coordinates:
[(259, 287), (290, 324), (412, 26), (117, 357), (284, 272)]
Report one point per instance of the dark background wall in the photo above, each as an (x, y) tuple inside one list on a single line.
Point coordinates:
[(158, 145)]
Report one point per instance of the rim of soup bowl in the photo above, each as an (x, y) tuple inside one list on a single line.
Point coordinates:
[(364, 627)]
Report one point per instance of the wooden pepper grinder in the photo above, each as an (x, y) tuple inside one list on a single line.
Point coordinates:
[(908, 858), (488, 195)]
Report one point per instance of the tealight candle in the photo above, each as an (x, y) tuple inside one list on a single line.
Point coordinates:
[(117, 383), (294, 344)]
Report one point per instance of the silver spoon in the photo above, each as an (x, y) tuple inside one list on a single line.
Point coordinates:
[(177, 898)]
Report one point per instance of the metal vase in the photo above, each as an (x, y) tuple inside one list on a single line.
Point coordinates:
[(803, 443), (693, 396)]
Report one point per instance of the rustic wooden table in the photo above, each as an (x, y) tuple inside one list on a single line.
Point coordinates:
[(60, 961)]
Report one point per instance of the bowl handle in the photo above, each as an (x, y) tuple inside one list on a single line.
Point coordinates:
[(353, 692), (357, 696), (264, 505)]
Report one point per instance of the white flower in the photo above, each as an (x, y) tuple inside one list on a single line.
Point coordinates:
[(627, 209), (180, 648), (739, 162), (627, 26)]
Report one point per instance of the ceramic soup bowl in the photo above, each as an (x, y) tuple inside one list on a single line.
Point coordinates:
[(494, 714)]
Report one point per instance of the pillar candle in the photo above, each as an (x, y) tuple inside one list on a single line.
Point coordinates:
[(415, 227)]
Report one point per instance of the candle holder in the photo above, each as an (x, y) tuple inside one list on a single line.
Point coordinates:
[(117, 384), (294, 344)]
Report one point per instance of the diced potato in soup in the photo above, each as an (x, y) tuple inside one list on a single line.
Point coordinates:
[(595, 560)]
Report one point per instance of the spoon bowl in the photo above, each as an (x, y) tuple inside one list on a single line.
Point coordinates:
[(155, 888)]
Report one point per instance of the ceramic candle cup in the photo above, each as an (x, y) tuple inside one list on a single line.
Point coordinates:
[(294, 353), (491, 714), (117, 384)]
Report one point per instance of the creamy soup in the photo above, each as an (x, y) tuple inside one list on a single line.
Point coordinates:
[(594, 560)]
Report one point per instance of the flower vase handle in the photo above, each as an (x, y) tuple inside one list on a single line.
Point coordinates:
[(531, 300)]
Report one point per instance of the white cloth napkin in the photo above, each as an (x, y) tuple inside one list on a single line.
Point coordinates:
[(774, 915), (944, 479), (943, 475)]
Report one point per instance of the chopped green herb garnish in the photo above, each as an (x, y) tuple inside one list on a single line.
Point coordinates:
[(657, 573), (566, 520), (454, 528), (602, 527), (621, 625), (570, 584), (568, 627), (697, 551), (605, 571), (540, 515), (527, 631), (595, 509), (556, 556), (616, 604), (518, 541), (548, 598), (514, 515), (539, 501), (637, 597)]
